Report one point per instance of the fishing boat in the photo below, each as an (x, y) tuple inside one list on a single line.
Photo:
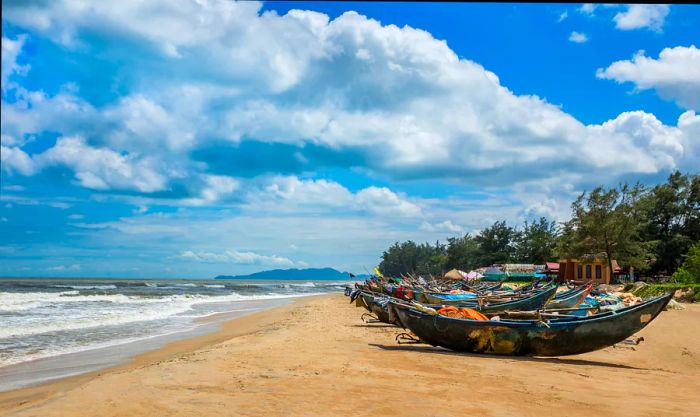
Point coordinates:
[(529, 301), (546, 337), (570, 299), (377, 304)]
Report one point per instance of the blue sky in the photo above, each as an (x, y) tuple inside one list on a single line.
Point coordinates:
[(190, 139)]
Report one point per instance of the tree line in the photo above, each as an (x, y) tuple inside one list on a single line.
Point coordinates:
[(649, 228)]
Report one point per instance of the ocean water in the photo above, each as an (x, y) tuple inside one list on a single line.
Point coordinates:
[(41, 318)]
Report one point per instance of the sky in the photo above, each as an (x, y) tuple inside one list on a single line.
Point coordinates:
[(197, 138)]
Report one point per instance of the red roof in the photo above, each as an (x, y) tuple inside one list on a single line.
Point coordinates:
[(552, 266)]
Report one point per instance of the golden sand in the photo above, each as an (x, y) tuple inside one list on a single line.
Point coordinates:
[(316, 358)]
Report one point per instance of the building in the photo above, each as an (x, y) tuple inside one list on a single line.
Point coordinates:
[(596, 270), (551, 269)]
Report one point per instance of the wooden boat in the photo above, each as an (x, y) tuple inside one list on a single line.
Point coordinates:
[(554, 337), (447, 299), (571, 299), (485, 286), (531, 301), (534, 302), (380, 309)]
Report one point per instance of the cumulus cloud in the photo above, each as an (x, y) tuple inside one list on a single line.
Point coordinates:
[(638, 16), (143, 124), (398, 101), (443, 227), (578, 37), (664, 144), (213, 189), (587, 8), (383, 201), (295, 192), (291, 193), (218, 186), (15, 159), (103, 168), (10, 50), (689, 125), (675, 75), (236, 257)]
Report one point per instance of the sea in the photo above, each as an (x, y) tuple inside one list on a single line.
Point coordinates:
[(51, 328)]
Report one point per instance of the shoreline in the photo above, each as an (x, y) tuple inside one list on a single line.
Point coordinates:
[(314, 357), (211, 330), (94, 358)]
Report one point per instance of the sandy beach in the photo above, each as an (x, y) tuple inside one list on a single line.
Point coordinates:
[(316, 358)]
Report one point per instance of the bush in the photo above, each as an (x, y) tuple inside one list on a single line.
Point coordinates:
[(682, 276)]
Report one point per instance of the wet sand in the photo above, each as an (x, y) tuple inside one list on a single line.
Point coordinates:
[(316, 358), (60, 366)]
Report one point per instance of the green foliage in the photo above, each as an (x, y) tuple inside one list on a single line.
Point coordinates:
[(537, 241), (644, 228), (654, 290), (409, 257), (673, 213), (497, 244), (462, 253), (682, 276), (608, 222), (689, 273), (692, 260)]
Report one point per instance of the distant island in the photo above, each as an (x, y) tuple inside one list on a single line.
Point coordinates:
[(294, 274)]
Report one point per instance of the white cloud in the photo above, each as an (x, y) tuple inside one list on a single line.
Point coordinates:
[(60, 205), (214, 188), (347, 85), (637, 16), (236, 257), (443, 227), (383, 201), (218, 186), (587, 8), (297, 192), (563, 15), (291, 194), (689, 125), (675, 75), (662, 145), (62, 268), (11, 48), (145, 124), (578, 37), (15, 159), (102, 168), (13, 187)]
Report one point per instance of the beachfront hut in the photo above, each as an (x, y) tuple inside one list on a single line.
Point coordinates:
[(521, 271), (454, 274), (474, 275), (551, 269), (494, 273), (584, 270)]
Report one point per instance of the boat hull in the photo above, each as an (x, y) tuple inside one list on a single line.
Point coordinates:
[(571, 300), (534, 301), (559, 337)]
